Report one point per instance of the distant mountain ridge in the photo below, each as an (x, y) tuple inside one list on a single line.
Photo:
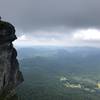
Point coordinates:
[(48, 51)]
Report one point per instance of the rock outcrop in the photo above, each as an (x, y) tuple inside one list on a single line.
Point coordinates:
[(10, 75)]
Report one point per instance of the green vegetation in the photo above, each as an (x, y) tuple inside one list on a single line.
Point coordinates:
[(46, 76)]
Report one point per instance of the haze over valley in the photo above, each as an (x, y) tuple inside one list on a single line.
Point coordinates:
[(60, 73)]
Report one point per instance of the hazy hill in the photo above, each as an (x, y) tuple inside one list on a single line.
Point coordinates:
[(43, 67)]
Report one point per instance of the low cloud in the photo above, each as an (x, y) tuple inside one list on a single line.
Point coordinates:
[(87, 35), (90, 37)]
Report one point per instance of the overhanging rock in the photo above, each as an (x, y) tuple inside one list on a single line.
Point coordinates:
[(10, 75)]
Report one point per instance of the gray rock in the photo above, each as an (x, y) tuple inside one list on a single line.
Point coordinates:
[(10, 75)]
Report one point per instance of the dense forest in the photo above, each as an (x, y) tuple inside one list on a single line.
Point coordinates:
[(54, 73)]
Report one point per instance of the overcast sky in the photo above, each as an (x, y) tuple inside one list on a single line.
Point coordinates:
[(54, 22)]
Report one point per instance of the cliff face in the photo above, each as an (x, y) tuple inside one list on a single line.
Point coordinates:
[(10, 75)]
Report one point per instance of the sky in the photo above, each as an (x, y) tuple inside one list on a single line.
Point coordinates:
[(53, 22)]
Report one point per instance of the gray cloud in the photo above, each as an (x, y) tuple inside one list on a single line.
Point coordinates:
[(46, 14)]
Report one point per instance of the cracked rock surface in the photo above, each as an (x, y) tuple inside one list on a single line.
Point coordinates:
[(10, 75)]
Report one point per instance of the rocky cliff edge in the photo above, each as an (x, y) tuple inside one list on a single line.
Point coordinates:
[(10, 75)]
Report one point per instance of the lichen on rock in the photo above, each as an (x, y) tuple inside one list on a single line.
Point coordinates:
[(10, 75)]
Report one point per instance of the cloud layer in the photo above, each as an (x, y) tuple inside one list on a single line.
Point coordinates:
[(54, 22), (90, 37), (41, 14)]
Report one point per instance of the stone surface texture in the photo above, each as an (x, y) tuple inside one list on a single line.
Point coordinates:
[(10, 75)]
